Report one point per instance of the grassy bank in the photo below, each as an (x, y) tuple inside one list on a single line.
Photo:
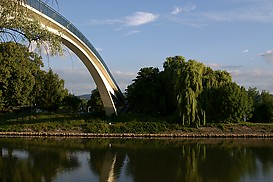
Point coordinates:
[(84, 123)]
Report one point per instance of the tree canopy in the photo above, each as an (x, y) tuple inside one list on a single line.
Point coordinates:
[(190, 90), (23, 83), (18, 70), (49, 90), (263, 106), (19, 25), (143, 93), (95, 103)]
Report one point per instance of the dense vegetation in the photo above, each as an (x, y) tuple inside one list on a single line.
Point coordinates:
[(185, 93), (23, 83), (195, 95), (19, 25)]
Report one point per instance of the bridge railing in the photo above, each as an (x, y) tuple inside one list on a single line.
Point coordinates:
[(53, 14)]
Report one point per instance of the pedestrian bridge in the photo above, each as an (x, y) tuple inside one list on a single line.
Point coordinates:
[(111, 95)]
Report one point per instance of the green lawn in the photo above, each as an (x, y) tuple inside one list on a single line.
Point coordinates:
[(85, 123)]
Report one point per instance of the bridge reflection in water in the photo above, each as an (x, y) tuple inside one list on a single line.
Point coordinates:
[(107, 172), (111, 94)]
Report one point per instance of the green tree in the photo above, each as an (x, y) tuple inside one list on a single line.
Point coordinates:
[(95, 103), (143, 93), (264, 108), (18, 68), (172, 67), (72, 103), (189, 87), (19, 25), (49, 90), (2, 101), (212, 81), (189, 90), (232, 103), (185, 87), (255, 95)]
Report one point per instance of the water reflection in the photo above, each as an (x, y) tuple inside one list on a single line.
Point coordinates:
[(117, 160)]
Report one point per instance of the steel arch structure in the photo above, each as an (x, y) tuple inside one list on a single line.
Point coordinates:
[(111, 95)]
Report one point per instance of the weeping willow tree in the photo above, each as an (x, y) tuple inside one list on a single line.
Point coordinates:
[(211, 97), (192, 85), (18, 25), (191, 91), (188, 87)]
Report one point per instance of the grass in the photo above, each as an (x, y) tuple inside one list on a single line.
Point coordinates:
[(63, 122), (124, 123), (40, 122)]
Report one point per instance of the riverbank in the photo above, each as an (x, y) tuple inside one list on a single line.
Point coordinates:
[(130, 135), (234, 131), (74, 125)]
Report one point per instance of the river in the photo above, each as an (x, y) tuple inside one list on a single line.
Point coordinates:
[(135, 160)]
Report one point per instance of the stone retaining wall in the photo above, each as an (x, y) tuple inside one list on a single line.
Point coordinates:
[(131, 135)]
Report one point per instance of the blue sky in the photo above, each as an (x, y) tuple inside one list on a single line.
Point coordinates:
[(232, 35)]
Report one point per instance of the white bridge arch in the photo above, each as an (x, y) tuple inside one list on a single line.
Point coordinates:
[(110, 93)]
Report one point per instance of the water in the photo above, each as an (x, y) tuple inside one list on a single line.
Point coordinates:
[(136, 160)]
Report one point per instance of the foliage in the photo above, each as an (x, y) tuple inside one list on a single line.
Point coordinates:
[(195, 93), (191, 88), (95, 103), (263, 107), (97, 127), (71, 103), (233, 103), (1, 100), (139, 127), (48, 91), (73, 122), (18, 68), (40, 122), (172, 67), (19, 25), (20, 79), (80, 123), (143, 94)]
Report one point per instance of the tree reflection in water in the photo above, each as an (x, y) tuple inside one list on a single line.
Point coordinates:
[(140, 160), (42, 163)]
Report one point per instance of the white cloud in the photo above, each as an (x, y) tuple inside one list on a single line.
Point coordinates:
[(245, 51), (77, 80), (256, 11), (189, 7), (124, 78), (218, 66), (176, 10), (140, 18), (252, 11), (132, 32), (214, 65), (137, 19), (262, 79), (267, 55)]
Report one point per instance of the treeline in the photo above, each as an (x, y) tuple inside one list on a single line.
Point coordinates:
[(194, 95), (189, 92), (23, 83)]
